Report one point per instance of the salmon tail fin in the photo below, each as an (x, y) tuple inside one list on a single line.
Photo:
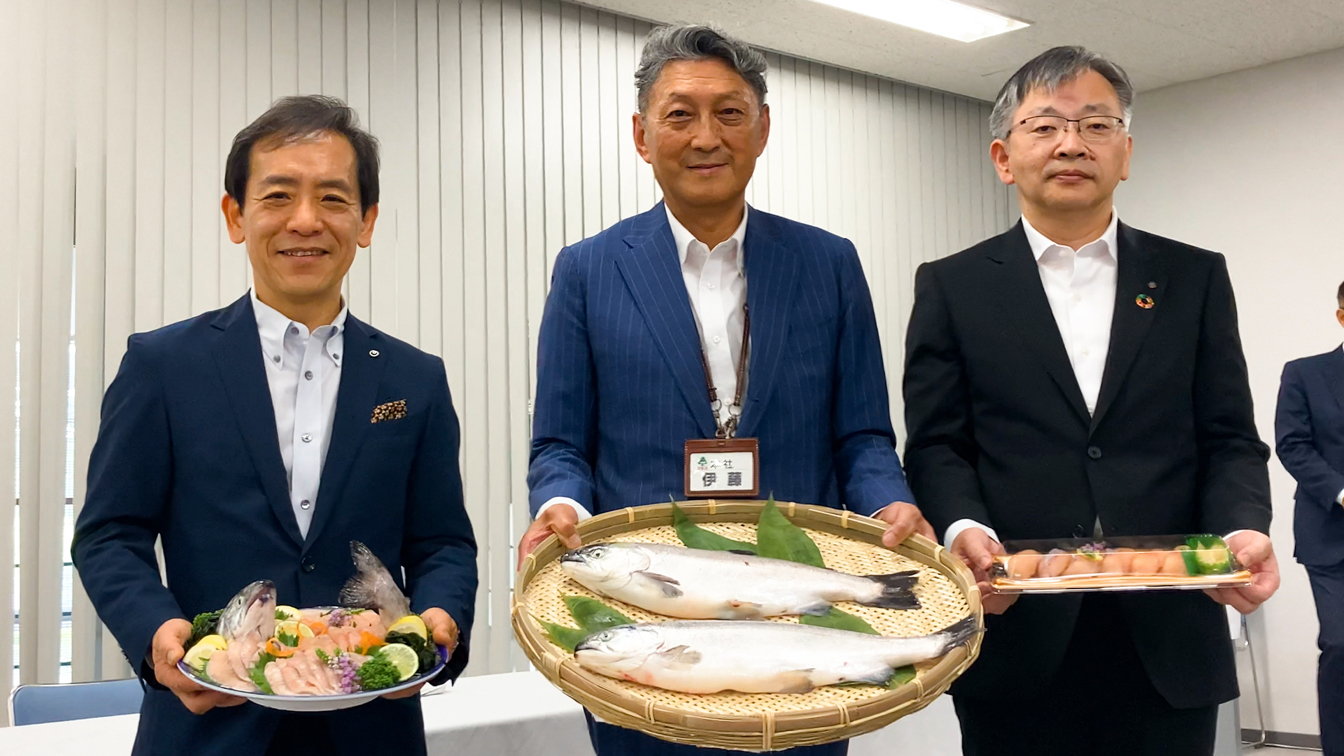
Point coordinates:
[(898, 590), (959, 633)]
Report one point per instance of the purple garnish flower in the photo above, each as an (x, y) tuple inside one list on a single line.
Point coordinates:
[(338, 618), (349, 681)]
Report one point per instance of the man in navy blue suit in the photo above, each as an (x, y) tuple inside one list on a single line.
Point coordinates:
[(654, 327), (1309, 434), (258, 440)]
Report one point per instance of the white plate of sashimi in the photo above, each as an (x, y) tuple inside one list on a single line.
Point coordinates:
[(317, 659)]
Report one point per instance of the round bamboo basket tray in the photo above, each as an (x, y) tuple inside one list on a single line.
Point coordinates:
[(741, 721)]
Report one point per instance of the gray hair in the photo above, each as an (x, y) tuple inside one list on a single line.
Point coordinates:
[(697, 42), (1048, 71)]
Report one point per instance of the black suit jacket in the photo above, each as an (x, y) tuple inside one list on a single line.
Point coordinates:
[(999, 433), (1309, 432)]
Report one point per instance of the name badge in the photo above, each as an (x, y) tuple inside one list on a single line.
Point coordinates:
[(722, 468)]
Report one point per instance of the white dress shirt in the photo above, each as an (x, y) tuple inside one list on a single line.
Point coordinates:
[(303, 371), (716, 282), (1080, 286)]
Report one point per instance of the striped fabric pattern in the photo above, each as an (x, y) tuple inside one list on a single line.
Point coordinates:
[(620, 385)]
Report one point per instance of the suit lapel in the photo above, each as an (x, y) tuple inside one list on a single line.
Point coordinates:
[(1021, 296), (355, 400), (238, 355), (1334, 377), (652, 271), (1137, 268), (772, 274)]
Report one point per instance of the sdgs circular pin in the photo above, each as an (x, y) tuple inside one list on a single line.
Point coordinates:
[(1144, 301)]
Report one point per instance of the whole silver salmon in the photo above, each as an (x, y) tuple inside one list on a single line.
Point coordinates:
[(699, 584), (756, 657)]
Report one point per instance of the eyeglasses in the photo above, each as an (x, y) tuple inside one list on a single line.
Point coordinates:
[(1095, 128)]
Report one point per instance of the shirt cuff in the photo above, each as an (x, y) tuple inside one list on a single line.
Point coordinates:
[(960, 526), (578, 508), (1340, 499)]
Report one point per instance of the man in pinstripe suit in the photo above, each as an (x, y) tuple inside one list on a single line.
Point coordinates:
[(647, 321)]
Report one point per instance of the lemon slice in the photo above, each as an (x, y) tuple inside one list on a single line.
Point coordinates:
[(403, 658), (292, 630), (200, 654), (286, 613), (412, 624)]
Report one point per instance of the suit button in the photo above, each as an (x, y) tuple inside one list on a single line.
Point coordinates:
[(307, 565), (1094, 452)]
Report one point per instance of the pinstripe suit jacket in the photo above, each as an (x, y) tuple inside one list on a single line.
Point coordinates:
[(621, 386)]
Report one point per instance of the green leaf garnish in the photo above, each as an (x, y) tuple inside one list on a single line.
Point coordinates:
[(322, 656), (289, 640), (901, 676), (838, 620), (593, 615), (695, 537), (778, 538), (564, 637), (258, 674)]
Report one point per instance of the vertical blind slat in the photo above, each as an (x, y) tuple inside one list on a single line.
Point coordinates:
[(90, 253), (10, 53), (30, 226)]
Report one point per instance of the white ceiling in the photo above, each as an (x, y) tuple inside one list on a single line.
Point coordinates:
[(1160, 42)]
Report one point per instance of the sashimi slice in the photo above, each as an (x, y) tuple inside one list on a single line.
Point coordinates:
[(221, 672)]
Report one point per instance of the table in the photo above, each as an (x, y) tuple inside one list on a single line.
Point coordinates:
[(518, 713)]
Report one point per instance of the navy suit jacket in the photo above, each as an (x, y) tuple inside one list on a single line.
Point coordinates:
[(1309, 438), (621, 386), (188, 451)]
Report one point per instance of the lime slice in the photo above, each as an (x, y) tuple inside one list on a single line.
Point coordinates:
[(412, 624), (403, 658), (284, 613), (200, 654)]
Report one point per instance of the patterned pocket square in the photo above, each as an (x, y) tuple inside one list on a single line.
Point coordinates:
[(389, 411)]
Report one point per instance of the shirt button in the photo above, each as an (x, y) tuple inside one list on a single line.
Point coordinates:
[(275, 358), (305, 504), (711, 287), (294, 330), (307, 437), (307, 565), (717, 339), (308, 374), (1094, 452), (335, 356)]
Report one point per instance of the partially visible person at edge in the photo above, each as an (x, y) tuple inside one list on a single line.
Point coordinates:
[(650, 317), (1309, 432), (248, 440), (1077, 377)]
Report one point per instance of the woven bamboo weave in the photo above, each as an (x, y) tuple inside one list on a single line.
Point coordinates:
[(753, 722)]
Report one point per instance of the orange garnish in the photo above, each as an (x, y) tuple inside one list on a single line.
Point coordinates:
[(277, 649), (317, 626), (369, 641)]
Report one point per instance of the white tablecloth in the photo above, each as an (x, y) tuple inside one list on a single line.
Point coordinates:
[(520, 714)]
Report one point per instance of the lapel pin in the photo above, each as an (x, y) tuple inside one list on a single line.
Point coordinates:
[(374, 352), (1144, 301), (1152, 284)]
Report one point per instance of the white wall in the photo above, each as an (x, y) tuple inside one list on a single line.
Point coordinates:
[(1250, 164), (505, 127)]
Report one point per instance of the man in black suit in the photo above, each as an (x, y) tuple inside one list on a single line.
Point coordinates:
[(1309, 433), (1077, 377)]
